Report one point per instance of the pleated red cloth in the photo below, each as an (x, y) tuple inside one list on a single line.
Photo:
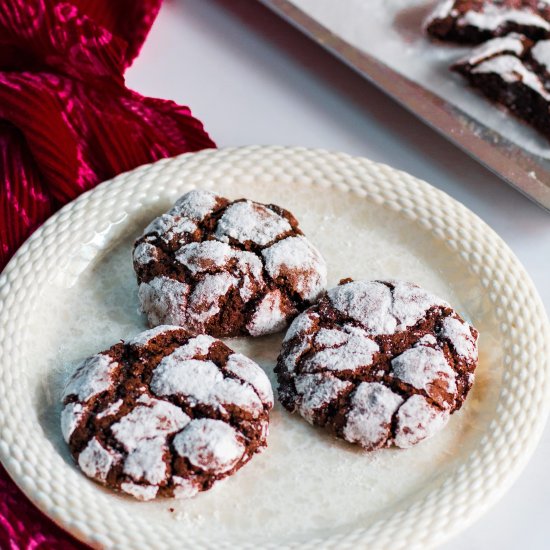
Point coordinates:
[(68, 122)]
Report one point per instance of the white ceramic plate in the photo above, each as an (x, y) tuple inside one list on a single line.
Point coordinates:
[(70, 291)]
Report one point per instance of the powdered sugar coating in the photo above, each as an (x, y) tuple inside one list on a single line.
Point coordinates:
[(198, 345), (196, 204), (250, 270), (418, 420), (296, 257), (210, 444), (492, 17), (111, 409), (143, 338), (381, 309), (316, 391), (428, 340), (422, 366), (203, 382), (169, 226), (301, 325), (512, 43), (204, 302), (464, 21), (518, 81), (334, 336), (338, 368), (511, 69), (141, 492), (96, 461), (249, 221), (184, 488), (164, 300), (250, 372), (183, 217), (294, 352), (143, 433), (204, 256), (145, 253), (134, 421), (146, 462), (192, 377), (411, 302), (459, 335), (269, 315), (71, 415), (346, 349), (149, 420), (441, 10), (372, 408), (368, 301), (239, 268), (93, 376), (541, 53)]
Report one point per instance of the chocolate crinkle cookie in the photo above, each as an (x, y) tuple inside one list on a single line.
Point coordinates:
[(166, 414), (226, 268), (474, 21), (515, 72), (380, 363)]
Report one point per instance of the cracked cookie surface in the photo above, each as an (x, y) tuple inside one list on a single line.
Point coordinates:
[(515, 72), (226, 268), (474, 21), (380, 363), (165, 414)]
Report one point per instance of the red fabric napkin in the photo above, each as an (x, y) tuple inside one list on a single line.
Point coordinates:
[(68, 122)]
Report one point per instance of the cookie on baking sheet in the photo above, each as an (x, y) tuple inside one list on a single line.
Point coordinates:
[(379, 362), (226, 268), (474, 21), (515, 72), (166, 414)]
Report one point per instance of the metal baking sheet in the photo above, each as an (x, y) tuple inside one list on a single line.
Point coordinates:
[(383, 41)]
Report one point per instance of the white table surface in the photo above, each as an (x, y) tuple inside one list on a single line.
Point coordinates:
[(252, 79)]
